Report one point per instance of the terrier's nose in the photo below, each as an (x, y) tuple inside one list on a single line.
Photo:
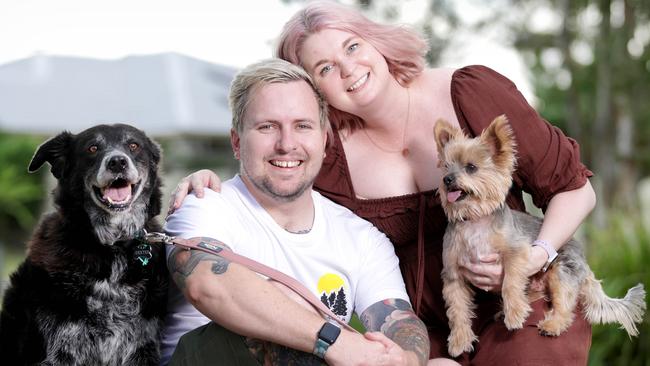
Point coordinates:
[(449, 179), (117, 164)]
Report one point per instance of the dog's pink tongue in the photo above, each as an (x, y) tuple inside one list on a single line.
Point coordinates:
[(453, 196), (118, 194)]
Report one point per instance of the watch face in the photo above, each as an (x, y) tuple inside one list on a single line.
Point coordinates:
[(329, 332)]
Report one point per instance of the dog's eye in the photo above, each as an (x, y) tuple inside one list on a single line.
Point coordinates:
[(92, 149), (470, 168), (133, 146)]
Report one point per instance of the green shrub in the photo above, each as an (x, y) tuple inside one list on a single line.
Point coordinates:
[(620, 257), (21, 193)]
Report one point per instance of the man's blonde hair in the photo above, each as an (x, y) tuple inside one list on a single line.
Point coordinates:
[(269, 71)]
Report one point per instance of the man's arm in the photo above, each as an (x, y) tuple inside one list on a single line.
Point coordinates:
[(243, 302), (397, 321)]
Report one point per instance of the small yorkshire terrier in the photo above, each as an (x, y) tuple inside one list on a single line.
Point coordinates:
[(477, 178)]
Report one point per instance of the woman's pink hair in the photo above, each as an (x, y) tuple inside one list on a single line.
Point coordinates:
[(402, 47)]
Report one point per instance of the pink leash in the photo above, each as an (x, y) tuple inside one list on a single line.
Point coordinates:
[(213, 246)]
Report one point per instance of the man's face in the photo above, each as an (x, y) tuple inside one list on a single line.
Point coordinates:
[(282, 143)]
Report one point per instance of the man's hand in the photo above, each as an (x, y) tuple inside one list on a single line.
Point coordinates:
[(194, 182), (395, 355), (350, 348), (356, 350)]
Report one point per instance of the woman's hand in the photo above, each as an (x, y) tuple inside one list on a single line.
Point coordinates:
[(537, 260), (196, 182), (484, 272)]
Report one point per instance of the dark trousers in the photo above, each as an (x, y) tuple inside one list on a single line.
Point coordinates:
[(212, 344)]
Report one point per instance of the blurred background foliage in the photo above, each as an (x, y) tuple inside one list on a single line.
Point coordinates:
[(21, 194), (619, 255), (589, 64)]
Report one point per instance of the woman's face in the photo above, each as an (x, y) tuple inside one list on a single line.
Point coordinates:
[(349, 71)]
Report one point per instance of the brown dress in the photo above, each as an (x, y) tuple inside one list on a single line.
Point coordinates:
[(548, 163)]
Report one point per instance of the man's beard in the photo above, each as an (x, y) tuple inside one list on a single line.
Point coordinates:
[(266, 186)]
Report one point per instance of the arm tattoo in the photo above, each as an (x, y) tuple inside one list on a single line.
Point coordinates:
[(396, 319), (220, 265), (182, 262)]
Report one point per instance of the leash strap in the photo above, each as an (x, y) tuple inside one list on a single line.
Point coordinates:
[(213, 246)]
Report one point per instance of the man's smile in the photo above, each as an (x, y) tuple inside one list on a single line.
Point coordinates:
[(286, 163)]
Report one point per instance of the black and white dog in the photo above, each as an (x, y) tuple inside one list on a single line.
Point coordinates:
[(89, 292)]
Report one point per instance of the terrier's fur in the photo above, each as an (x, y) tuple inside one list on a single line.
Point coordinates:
[(477, 178)]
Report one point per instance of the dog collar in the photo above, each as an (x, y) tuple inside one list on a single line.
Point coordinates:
[(552, 253)]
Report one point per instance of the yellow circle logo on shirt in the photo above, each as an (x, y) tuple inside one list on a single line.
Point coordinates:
[(332, 293), (329, 283)]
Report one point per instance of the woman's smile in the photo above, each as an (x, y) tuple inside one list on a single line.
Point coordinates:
[(359, 83)]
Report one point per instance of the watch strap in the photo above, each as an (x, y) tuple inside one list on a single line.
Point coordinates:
[(327, 335), (320, 348), (552, 253)]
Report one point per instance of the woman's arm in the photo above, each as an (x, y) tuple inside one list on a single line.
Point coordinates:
[(548, 164), (565, 213)]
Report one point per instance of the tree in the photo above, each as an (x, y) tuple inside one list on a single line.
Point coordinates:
[(340, 305), (599, 93), (325, 300)]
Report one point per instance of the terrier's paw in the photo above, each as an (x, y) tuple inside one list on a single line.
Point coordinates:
[(461, 341), (551, 327), (515, 316)]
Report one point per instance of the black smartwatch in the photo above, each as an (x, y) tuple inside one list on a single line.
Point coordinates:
[(327, 335)]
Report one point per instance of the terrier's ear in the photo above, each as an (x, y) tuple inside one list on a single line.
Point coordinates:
[(501, 140), (52, 151), (443, 132)]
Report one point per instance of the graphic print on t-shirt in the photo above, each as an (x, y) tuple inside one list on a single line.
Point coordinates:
[(332, 289)]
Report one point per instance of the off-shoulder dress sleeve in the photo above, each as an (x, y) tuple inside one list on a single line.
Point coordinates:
[(548, 162)]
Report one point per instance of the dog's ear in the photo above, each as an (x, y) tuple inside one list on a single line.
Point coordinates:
[(156, 150), (52, 151), (443, 132), (501, 140)]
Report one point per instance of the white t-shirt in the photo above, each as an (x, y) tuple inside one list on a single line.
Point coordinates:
[(344, 260)]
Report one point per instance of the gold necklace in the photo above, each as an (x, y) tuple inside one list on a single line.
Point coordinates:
[(403, 150)]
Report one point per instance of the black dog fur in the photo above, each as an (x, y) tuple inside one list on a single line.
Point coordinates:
[(81, 297)]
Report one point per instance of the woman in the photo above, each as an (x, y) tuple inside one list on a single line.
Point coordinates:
[(382, 164)]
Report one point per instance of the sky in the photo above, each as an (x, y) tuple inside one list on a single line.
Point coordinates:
[(233, 33)]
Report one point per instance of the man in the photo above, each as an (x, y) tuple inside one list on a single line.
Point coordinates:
[(270, 213)]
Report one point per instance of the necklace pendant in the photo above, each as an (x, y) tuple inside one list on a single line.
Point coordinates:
[(405, 152)]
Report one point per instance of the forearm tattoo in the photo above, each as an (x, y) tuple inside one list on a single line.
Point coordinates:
[(181, 264), (395, 319), (268, 353)]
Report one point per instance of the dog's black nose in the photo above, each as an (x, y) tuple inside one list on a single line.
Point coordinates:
[(449, 179), (117, 164)]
